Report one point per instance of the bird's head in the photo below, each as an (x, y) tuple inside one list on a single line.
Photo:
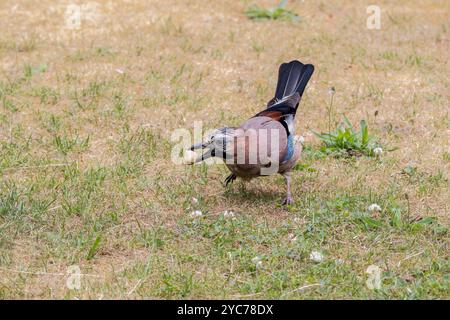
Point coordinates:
[(217, 144)]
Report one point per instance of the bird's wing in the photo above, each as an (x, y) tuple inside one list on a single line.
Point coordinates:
[(282, 108), (260, 132), (283, 111)]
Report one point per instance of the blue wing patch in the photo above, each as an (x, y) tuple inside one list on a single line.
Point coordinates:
[(290, 148)]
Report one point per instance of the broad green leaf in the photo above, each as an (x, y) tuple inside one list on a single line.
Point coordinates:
[(425, 221), (370, 222)]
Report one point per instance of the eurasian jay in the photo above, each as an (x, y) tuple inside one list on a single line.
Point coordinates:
[(265, 143)]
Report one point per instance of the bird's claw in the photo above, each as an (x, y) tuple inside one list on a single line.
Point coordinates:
[(288, 201), (230, 178)]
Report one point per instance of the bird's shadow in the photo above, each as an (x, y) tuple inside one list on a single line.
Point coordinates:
[(251, 194)]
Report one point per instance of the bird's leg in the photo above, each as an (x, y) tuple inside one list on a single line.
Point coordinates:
[(288, 200), (230, 178)]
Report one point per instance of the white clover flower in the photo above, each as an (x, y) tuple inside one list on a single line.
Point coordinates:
[(374, 207), (340, 261), (229, 214), (378, 151), (299, 139), (292, 237), (257, 261), (298, 220), (194, 200), (196, 213), (316, 256), (331, 91)]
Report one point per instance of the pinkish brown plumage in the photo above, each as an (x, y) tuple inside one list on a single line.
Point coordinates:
[(264, 144)]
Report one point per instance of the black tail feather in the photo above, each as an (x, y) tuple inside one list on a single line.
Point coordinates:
[(292, 77)]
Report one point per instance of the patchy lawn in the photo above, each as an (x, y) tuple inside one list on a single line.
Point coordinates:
[(87, 181)]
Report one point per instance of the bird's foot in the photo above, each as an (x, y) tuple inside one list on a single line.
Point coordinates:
[(288, 201), (230, 178)]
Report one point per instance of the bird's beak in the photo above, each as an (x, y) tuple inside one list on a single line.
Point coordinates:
[(206, 155), (200, 145)]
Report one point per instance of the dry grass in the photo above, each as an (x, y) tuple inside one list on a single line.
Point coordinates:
[(85, 151)]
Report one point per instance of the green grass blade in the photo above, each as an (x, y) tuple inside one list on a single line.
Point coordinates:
[(94, 247)]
